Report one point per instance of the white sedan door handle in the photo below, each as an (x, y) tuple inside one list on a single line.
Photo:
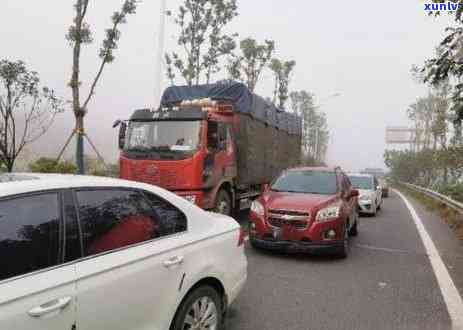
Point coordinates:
[(49, 307), (177, 260)]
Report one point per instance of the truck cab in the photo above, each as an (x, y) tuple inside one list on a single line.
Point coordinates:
[(187, 149), (216, 145)]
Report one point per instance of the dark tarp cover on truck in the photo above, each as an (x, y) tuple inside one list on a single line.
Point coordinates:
[(244, 101), (268, 140)]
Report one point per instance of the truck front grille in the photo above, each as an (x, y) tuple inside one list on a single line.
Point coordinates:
[(164, 178)]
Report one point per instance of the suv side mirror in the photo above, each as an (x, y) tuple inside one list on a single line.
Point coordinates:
[(265, 187), (354, 193)]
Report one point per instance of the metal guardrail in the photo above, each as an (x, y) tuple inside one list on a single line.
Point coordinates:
[(457, 206)]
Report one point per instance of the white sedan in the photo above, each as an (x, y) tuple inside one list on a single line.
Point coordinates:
[(92, 253), (371, 196)]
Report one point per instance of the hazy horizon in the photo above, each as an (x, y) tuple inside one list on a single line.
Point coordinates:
[(361, 51)]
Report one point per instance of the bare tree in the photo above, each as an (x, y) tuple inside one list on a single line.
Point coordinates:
[(26, 110), (315, 132), (79, 34), (202, 39), (303, 105), (248, 66), (282, 72)]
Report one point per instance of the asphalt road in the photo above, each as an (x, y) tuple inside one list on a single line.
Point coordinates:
[(387, 282)]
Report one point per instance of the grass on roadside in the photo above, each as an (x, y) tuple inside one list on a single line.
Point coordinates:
[(450, 216)]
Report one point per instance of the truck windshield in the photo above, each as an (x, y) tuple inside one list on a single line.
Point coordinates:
[(171, 137), (361, 182), (306, 182)]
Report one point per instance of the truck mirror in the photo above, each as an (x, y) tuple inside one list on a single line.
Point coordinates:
[(122, 132), (117, 123)]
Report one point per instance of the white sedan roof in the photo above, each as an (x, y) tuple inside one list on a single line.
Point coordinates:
[(20, 183)]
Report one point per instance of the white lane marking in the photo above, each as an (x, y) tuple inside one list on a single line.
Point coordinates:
[(370, 247), (448, 289)]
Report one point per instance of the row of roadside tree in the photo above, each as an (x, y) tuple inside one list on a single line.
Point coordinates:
[(205, 52), (208, 52), (435, 159)]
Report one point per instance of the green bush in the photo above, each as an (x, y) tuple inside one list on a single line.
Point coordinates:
[(93, 167), (113, 170), (50, 165), (454, 191)]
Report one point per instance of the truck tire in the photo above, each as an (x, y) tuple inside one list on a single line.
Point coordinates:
[(223, 203)]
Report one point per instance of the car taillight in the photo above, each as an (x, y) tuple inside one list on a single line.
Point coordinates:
[(242, 237)]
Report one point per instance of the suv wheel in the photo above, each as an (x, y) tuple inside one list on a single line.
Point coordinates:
[(343, 251), (201, 310), (251, 236), (223, 204), (354, 229)]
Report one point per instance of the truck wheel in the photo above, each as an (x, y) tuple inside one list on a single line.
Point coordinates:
[(223, 203)]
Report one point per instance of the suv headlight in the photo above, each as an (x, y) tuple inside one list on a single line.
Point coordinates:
[(257, 208), (329, 213)]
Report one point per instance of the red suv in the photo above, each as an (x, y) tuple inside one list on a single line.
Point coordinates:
[(306, 210)]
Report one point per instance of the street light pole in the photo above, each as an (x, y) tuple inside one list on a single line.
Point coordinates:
[(329, 97), (160, 51)]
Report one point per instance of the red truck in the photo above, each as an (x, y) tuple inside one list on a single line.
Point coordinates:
[(215, 145)]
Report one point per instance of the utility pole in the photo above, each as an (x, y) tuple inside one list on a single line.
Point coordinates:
[(159, 54)]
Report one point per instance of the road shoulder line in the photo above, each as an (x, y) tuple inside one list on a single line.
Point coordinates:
[(450, 293)]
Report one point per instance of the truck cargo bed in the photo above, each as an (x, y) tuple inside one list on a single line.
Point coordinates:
[(263, 151)]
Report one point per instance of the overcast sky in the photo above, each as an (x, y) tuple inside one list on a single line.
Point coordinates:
[(361, 49)]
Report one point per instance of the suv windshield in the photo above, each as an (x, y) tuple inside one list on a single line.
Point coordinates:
[(306, 182), (171, 137), (361, 182)]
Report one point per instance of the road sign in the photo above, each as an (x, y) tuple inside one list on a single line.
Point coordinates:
[(400, 135)]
